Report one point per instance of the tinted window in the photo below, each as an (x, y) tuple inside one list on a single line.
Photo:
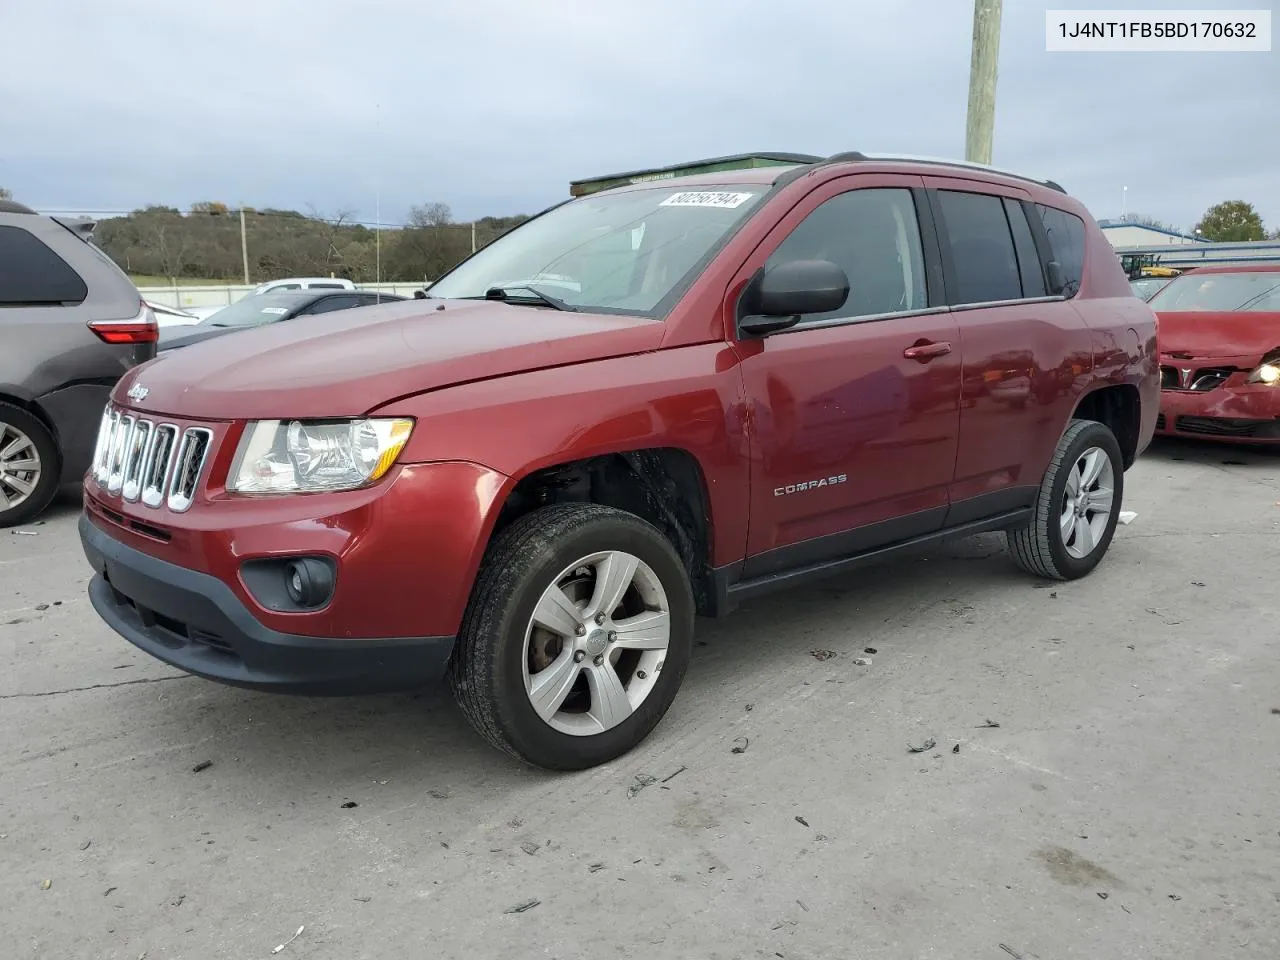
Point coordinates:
[(330, 304), (874, 237), (1025, 245), (325, 286), (31, 273), (1066, 240), (982, 251)]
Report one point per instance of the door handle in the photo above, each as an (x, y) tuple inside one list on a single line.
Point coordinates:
[(925, 350)]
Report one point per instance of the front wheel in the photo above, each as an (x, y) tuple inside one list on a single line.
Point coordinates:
[(576, 638), (1077, 507)]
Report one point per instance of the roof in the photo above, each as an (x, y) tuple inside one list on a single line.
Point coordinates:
[(1238, 267), (735, 162), (1116, 224), (13, 206), (777, 168)]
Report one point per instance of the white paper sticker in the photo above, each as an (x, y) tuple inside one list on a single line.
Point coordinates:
[(706, 198), (278, 311)]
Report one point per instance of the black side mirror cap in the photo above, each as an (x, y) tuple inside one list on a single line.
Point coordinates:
[(1056, 279), (778, 298)]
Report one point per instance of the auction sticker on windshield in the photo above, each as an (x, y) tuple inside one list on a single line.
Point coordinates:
[(706, 198)]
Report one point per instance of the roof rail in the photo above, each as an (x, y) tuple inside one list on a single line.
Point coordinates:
[(856, 155)]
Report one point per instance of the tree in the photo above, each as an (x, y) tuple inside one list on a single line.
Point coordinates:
[(1231, 222), (211, 207), (5, 194), (1143, 220)]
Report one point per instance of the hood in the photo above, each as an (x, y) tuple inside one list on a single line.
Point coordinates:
[(348, 362), (1236, 334)]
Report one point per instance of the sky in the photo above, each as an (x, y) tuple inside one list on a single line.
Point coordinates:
[(493, 106)]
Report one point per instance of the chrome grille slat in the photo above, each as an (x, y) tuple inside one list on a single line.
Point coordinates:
[(187, 467), (139, 444), (103, 448), (119, 446), (159, 464), (155, 473)]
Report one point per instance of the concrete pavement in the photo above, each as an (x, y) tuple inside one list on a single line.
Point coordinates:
[(1124, 806)]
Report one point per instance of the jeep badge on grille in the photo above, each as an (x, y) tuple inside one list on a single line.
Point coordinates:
[(137, 393)]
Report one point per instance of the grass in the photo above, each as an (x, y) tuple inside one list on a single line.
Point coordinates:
[(145, 280)]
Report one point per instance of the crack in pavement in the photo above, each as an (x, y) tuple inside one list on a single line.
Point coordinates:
[(96, 686)]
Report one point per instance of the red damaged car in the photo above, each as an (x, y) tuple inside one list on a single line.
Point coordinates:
[(1220, 354)]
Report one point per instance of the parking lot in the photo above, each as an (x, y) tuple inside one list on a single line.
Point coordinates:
[(1103, 783)]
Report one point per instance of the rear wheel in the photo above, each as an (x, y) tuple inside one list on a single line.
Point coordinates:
[(577, 636), (1077, 507), (29, 466)]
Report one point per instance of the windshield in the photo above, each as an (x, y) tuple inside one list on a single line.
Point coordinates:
[(1258, 290), (1147, 286), (249, 311), (629, 252)]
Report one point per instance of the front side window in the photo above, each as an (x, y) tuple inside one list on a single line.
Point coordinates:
[(1251, 290), (873, 236), (31, 274), (983, 255), (632, 252)]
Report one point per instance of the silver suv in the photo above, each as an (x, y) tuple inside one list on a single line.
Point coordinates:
[(71, 323)]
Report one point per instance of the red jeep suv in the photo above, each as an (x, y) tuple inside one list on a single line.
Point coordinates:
[(643, 404)]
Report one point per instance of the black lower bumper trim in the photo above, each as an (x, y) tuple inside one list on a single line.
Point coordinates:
[(193, 621)]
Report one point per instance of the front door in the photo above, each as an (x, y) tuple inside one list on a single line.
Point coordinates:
[(854, 414)]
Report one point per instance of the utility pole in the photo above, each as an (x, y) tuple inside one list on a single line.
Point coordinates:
[(984, 59), (473, 236), (244, 246)]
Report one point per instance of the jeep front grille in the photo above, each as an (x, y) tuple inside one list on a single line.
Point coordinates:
[(157, 463)]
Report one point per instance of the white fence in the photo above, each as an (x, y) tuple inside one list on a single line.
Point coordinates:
[(218, 295)]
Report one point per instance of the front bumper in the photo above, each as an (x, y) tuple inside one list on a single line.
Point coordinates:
[(1238, 413), (193, 621)]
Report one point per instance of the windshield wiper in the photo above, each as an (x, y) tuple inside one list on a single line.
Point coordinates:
[(500, 293)]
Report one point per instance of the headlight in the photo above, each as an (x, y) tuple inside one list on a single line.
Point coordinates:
[(306, 456), (1268, 371)]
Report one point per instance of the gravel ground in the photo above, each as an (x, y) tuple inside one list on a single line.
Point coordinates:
[(1103, 784)]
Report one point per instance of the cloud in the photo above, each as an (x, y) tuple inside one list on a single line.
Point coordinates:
[(493, 106)]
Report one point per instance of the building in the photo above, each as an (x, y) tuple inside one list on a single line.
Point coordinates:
[(1130, 233)]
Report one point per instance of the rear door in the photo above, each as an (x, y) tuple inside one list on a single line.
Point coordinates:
[(1023, 348), (854, 413)]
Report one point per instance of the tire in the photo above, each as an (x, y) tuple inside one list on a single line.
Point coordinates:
[(25, 493), (1040, 547), (492, 671)]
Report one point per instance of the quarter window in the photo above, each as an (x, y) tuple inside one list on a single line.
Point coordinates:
[(1066, 241), (31, 274), (874, 236), (983, 257)]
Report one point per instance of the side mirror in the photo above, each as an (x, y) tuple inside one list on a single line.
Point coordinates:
[(1056, 278), (778, 298)]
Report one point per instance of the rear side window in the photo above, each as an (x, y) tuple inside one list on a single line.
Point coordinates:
[(983, 257), (31, 274), (1066, 241)]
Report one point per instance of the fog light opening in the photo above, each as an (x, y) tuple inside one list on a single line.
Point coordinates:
[(309, 582)]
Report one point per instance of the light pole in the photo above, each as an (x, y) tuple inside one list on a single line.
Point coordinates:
[(983, 62)]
